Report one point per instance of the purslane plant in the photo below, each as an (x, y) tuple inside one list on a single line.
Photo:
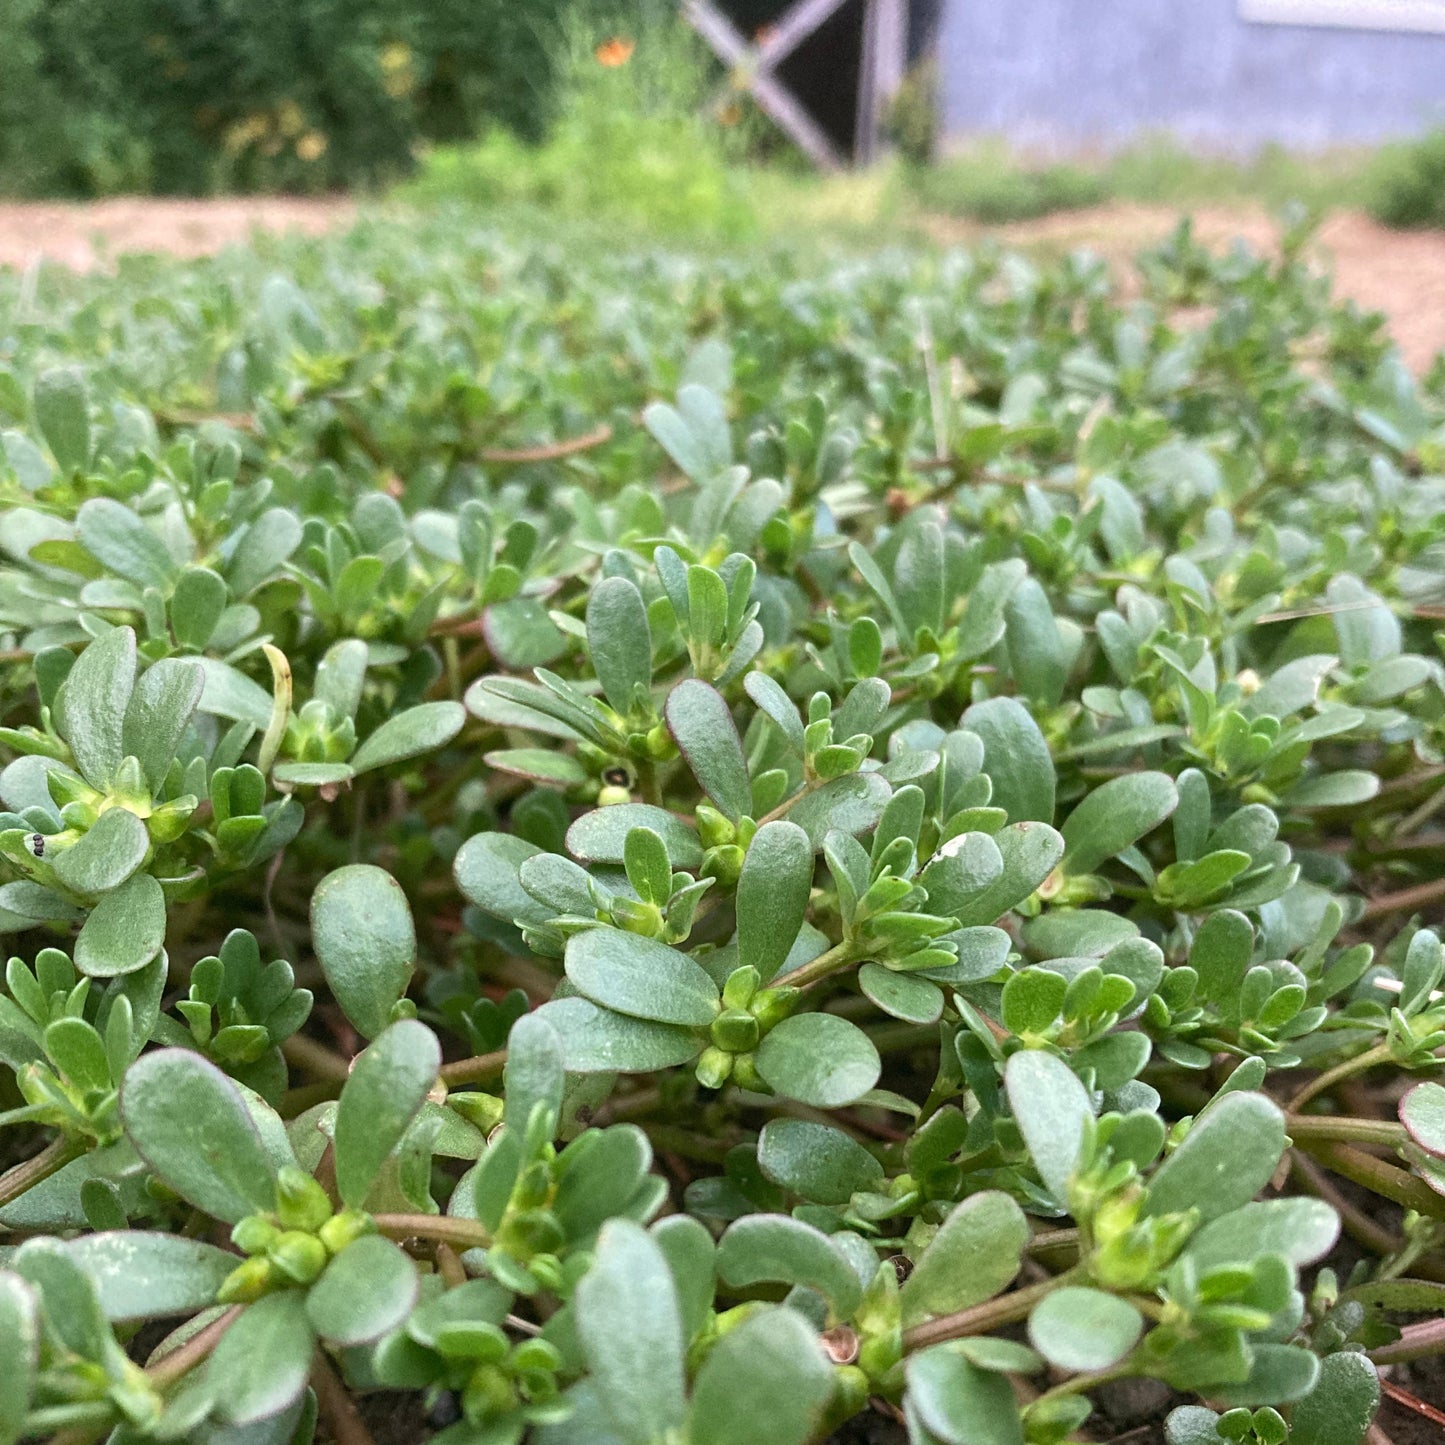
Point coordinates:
[(668, 854)]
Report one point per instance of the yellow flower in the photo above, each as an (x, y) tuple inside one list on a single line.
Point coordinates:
[(312, 146), (615, 52), (398, 77)]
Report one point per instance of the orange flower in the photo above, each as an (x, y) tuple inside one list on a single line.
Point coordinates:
[(615, 52)]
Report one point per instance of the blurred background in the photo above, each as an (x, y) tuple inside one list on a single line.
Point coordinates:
[(731, 121)]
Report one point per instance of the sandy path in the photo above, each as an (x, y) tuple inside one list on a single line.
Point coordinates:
[(80, 234), (1399, 273)]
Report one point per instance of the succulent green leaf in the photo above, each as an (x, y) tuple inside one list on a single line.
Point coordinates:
[(363, 934), (641, 977), (977, 1252), (596, 1040), (959, 1403), (93, 702), (62, 412), (1422, 1112), (367, 1290), (124, 931), (619, 641), (1116, 814), (819, 1059), (775, 1247), (143, 1274), (20, 1348), (260, 1367), (1015, 757), (702, 726), (1339, 1409), (190, 1124), (105, 855), (388, 1084), (772, 895), (409, 734), (816, 1161), (1227, 1157), (768, 1379), (535, 1073), (600, 836), (1079, 1329), (1052, 1109), (629, 1325)]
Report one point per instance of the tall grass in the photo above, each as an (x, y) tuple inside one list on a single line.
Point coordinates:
[(635, 141)]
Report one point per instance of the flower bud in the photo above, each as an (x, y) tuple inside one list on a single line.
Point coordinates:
[(301, 1203), (714, 1066), (488, 1393), (248, 1281), (255, 1234), (482, 1110), (745, 1074), (724, 863), (299, 1256), (341, 1229), (735, 1030), (713, 828)]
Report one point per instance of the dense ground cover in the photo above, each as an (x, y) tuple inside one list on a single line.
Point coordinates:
[(652, 849)]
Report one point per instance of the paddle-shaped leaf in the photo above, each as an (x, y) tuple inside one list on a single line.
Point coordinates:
[(190, 1124), (388, 1084), (362, 931)]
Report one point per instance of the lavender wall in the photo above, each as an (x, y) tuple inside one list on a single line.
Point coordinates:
[(1063, 74)]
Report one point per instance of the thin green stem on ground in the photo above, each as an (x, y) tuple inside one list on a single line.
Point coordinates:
[(1321, 1082), (335, 1404), (461, 1234), (835, 960), (1378, 1177), (1345, 1130), (993, 1314), (55, 1156), (478, 1069)]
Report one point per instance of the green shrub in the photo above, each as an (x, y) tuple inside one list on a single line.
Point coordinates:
[(987, 184), (1407, 183), (631, 143), (648, 849), (193, 96)]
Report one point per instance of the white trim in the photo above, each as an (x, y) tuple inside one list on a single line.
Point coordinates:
[(1420, 15)]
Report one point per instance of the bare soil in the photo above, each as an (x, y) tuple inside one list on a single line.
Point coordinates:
[(83, 235)]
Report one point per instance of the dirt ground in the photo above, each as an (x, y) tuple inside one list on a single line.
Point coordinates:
[(84, 234), (1399, 273)]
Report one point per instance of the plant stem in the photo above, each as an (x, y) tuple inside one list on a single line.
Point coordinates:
[(461, 1234), (337, 1407), (184, 1358), (475, 1070), (56, 1155), (1379, 1177), (1378, 1055), (1416, 1342), (1005, 1310), (834, 960), (1407, 900), (1078, 1384), (316, 1059), (1304, 1127)]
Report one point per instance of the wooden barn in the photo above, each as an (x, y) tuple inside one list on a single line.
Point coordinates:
[(1075, 75)]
